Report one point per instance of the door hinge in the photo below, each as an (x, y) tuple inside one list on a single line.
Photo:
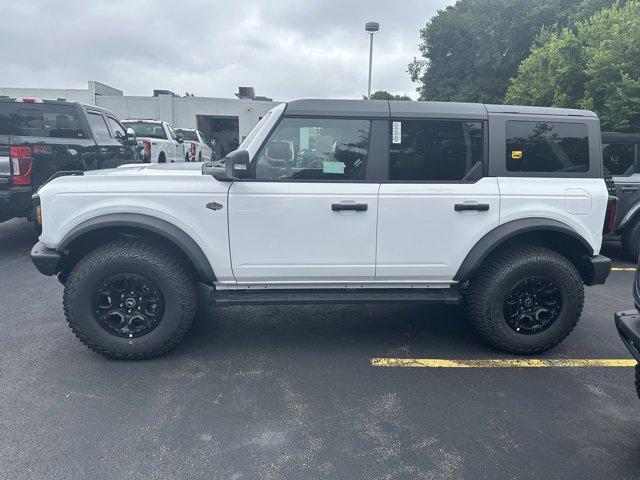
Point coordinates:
[(214, 206)]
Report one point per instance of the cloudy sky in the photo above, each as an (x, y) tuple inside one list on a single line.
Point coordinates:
[(286, 49)]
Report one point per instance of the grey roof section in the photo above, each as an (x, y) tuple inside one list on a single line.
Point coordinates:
[(407, 109), (539, 110), (339, 108), (417, 109), (617, 137)]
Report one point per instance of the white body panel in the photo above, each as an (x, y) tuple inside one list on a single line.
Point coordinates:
[(287, 232), (177, 196), (420, 236), (579, 203)]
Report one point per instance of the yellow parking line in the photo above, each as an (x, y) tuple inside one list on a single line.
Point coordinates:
[(503, 362), (624, 269)]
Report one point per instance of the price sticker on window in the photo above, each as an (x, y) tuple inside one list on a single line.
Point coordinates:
[(396, 132), (516, 154)]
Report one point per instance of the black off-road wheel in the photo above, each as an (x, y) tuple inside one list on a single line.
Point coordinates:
[(131, 299), (525, 300), (638, 380)]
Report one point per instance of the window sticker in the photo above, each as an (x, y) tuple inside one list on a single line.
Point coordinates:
[(516, 154), (396, 132), (333, 167)]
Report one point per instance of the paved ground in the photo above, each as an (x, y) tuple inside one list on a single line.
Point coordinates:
[(271, 392)]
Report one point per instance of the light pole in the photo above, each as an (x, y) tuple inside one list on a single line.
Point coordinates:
[(370, 28)]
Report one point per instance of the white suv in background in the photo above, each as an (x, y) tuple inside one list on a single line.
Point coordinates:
[(196, 144), (161, 141)]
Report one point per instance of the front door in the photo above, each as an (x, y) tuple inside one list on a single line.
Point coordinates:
[(436, 204), (307, 216)]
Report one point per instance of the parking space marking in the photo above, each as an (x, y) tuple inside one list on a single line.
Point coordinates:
[(623, 269), (503, 362)]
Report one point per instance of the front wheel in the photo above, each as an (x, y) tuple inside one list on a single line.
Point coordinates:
[(631, 241), (638, 380), (525, 300), (130, 299)]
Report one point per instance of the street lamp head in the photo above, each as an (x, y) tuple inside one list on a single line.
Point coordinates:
[(371, 27)]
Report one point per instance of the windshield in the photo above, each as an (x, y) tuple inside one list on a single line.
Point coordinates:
[(189, 135), (147, 129), (245, 143)]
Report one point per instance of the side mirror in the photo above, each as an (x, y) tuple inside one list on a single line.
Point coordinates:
[(179, 138), (236, 165), (130, 137)]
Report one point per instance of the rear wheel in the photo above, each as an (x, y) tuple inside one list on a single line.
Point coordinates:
[(162, 158), (631, 241), (525, 300), (638, 380), (187, 158), (130, 299)]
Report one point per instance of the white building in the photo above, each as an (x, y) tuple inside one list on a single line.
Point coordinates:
[(227, 120)]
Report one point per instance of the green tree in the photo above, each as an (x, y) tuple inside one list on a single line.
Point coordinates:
[(470, 50), (384, 95), (596, 66)]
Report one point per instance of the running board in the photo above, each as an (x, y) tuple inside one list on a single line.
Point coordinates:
[(448, 296)]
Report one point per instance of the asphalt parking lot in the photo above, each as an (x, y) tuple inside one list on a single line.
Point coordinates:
[(290, 392)]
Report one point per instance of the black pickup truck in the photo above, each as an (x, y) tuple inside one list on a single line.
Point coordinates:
[(41, 137)]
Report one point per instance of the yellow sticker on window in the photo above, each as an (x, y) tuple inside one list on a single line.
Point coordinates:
[(516, 154)]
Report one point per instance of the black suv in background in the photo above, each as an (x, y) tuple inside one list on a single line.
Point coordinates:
[(41, 137), (621, 157)]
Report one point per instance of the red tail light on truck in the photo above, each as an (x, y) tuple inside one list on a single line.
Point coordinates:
[(21, 162), (610, 216), (193, 149), (147, 147)]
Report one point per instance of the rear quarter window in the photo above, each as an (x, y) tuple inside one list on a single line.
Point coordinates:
[(547, 147), (619, 158), (55, 121)]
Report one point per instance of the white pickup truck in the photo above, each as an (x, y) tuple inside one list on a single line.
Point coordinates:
[(162, 142), (196, 145), (499, 208)]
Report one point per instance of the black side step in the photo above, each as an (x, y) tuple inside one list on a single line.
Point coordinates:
[(448, 296)]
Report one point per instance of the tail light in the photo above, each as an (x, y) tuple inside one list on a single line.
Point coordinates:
[(610, 217), (21, 161), (29, 100), (193, 149), (147, 147)]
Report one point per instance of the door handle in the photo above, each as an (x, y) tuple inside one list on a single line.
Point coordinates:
[(478, 207), (357, 207)]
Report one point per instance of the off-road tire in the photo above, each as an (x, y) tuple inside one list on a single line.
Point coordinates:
[(631, 241), (170, 273), (638, 380), (489, 286)]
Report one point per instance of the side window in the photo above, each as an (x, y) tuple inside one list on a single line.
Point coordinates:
[(547, 147), (618, 158), (172, 132), (315, 149), (57, 121), (98, 125), (434, 150), (117, 130)]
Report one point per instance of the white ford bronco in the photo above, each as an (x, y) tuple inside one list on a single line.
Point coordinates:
[(499, 208)]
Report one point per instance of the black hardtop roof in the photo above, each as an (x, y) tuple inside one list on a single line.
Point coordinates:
[(412, 109), (46, 101)]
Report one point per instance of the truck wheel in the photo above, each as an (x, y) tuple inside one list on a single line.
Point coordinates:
[(525, 300), (631, 241), (200, 157), (638, 380), (162, 158), (130, 299), (186, 158)]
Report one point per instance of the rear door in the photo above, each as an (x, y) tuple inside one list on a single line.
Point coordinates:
[(436, 202)]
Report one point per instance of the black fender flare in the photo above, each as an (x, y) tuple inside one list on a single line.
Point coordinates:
[(151, 224), (499, 235)]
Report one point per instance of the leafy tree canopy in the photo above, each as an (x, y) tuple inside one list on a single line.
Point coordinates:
[(470, 50), (384, 95), (596, 66)]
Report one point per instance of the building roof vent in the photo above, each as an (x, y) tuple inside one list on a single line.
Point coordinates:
[(246, 92)]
